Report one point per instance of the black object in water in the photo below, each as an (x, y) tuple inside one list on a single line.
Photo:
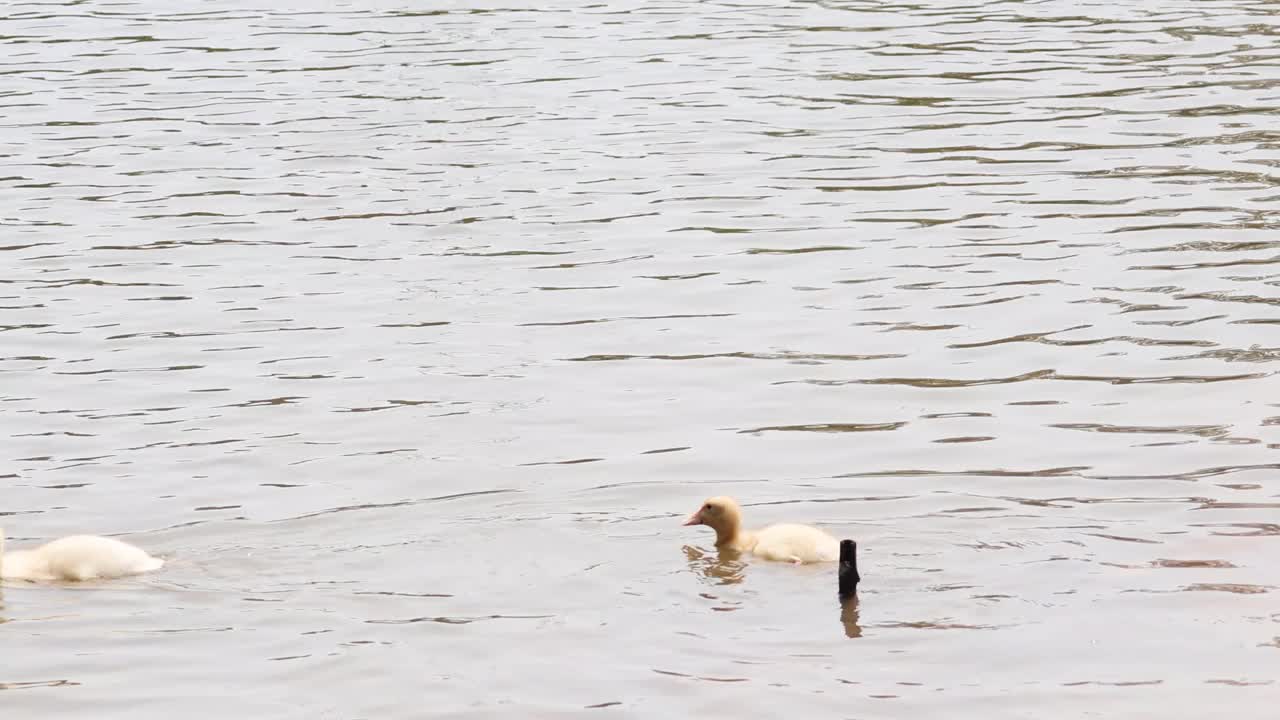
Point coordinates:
[(849, 576)]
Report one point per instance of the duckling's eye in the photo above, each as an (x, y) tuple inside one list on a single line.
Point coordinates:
[(707, 506)]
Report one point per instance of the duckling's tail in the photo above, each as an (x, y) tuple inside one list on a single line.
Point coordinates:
[(849, 577)]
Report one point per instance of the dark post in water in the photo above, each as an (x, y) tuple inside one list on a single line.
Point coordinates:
[(849, 577)]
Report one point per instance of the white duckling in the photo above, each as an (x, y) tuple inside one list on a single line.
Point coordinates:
[(786, 542), (77, 557)]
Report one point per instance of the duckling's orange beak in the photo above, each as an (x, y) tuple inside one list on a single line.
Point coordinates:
[(694, 519)]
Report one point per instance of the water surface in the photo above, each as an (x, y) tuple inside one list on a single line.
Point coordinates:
[(408, 333)]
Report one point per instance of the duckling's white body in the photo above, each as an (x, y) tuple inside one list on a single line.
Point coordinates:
[(786, 542), (796, 543), (78, 557)]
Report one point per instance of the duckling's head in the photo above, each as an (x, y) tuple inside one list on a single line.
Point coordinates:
[(721, 514)]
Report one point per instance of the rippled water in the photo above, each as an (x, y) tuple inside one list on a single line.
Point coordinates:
[(409, 331)]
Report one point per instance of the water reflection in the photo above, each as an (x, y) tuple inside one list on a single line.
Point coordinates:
[(849, 616), (723, 567), (726, 567)]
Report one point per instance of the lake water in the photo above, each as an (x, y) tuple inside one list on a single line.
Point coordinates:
[(409, 332)]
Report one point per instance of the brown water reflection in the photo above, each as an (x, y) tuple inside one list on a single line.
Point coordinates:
[(724, 566), (402, 332), (849, 616)]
